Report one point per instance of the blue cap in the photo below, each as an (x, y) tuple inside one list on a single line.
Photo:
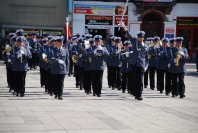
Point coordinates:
[(179, 39), (156, 38), (149, 39), (19, 32), (87, 36), (140, 34), (91, 40), (126, 43), (58, 39), (172, 40), (11, 35), (50, 37), (117, 39), (74, 38), (44, 40), (80, 40), (51, 40), (97, 37), (20, 39), (78, 35), (165, 39)]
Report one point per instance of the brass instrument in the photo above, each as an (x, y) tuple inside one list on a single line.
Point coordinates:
[(178, 57), (7, 49), (74, 58), (44, 56)]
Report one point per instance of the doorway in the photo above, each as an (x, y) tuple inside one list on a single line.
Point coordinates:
[(153, 24)]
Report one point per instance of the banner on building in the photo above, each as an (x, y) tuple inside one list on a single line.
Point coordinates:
[(124, 20), (169, 32), (187, 21), (100, 9), (157, 0), (98, 20)]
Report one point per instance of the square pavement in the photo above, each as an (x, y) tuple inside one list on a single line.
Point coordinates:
[(114, 112)]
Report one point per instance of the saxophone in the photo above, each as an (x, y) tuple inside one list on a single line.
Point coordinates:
[(178, 57)]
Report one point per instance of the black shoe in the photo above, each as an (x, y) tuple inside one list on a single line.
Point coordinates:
[(42, 85), (45, 90), (152, 89), (123, 91), (17, 94), (161, 92), (10, 90), (22, 95), (145, 86), (109, 86), (139, 98), (55, 96), (167, 93), (51, 94), (77, 86), (8, 86), (174, 96), (60, 98), (182, 96), (94, 94), (113, 88), (98, 95)]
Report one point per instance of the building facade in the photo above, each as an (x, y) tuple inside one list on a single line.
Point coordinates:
[(40, 16), (170, 18)]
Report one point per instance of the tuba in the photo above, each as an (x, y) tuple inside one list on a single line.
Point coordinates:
[(74, 58), (178, 57), (7, 49), (44, 56)]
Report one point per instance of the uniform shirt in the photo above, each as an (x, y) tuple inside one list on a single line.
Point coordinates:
[(114, 54), (161, 58), (42, 50), (87, 59), (59, 60), (139, 57), (7, 59), (182, 62), (98, 62), (20, 64), (153, 56), (124, 60), (78, 50)]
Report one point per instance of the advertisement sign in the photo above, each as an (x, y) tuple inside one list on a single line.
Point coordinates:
[(51, 33), (99, 9), (118, 19), (187, 21), (169, 32), (98, 20)]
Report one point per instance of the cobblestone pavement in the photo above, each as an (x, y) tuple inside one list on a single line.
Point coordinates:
[(114, 112)]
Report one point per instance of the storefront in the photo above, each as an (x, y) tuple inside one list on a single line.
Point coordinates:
[(187, 27), (98, 18)]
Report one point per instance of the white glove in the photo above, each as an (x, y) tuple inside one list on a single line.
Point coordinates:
[(80, 55), (95, 51), (19, 55), (174, 60), (181, 53), (127, 54), (61, 62), (22, 52), (169, 65), (7, 53), (117, 52), (159, 54), (121, 24), (9, 60)]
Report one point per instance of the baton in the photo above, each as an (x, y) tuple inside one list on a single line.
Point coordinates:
[(123, 12)]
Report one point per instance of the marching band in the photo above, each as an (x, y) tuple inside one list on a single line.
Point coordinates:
[(129, 64)]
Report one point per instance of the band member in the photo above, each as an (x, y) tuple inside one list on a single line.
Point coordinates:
[(125, 66), (115, 63), (178, 68), (97, 55), (59, 59), (149, 43), (87, 70), (70, 46), (20, 65), (138, 60), (42, 50), (152, 61), (77, 51), (162, 66)]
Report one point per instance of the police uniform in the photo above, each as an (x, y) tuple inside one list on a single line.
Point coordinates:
[(59, 60), (97, 65), (125, 66), (139, 63), (115, 64), (20, 66), (152, 63), (178, 70), (70, 46)]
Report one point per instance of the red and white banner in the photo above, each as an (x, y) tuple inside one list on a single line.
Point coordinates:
[(124, 20), (67, 30)]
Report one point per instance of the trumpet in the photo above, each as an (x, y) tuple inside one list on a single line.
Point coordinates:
[(44, 56), (74, 58), (7, 49)]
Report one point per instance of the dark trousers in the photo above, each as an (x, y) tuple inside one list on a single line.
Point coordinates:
[(109, 71), (146, 78), (152, 76), (71, 65), (87, 81), (125, 76), (76, 69), (137, 75), (10, 80), (168, 85), (49, 81), (19, 81), (180, 89), (130, 83), (81, 77), (115, 77), (42, 76), (158, 84), (197, 62), (58, 84), (97, 81), (161, 74), (33, 61)]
